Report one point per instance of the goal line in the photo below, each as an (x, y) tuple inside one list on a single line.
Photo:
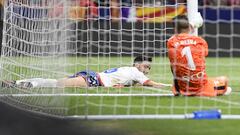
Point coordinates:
[(86, 95), (158, 116)]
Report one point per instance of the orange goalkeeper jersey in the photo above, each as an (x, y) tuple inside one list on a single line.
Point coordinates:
[(187, 57)]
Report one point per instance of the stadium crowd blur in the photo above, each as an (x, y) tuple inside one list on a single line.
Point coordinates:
[(116, 10), (93, 8), (115, 5), (222, 2)]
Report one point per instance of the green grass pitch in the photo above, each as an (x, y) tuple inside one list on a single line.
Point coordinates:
[(72, 105)]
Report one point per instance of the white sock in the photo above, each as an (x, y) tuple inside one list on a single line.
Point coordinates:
[(40, 82)]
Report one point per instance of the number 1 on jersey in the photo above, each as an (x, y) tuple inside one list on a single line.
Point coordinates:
[(186, 51)]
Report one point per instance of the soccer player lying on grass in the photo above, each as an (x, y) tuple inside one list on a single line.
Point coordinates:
[(115, 77), (187, 54)]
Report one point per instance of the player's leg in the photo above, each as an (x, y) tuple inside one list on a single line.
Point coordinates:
[(37, 83), (216, 87), (208, 89), (221, 86), (29, 83), (8, 84), (78, 81), (86, 78)]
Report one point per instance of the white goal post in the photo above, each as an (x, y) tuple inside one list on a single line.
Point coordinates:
[(192, 8)]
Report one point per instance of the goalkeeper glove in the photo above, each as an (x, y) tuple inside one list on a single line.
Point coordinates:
[(197, 21)]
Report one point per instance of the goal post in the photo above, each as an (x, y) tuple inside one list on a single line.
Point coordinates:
[(57, 38), (192, 8)]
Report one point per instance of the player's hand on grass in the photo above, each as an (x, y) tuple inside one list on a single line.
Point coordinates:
[(156, 84), (118, 86)]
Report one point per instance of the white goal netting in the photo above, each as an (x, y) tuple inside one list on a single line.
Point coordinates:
[(57, 38)]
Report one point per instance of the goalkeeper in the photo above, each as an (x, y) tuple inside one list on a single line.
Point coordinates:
[(115, 77), (187, 54)]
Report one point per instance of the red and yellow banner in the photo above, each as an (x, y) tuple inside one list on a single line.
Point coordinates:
[(145, 14), (159, 14)]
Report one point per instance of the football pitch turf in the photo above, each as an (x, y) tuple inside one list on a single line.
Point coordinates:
[(78, 105)]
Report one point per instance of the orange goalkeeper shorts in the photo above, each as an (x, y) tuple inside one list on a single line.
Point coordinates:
[(215, 87)]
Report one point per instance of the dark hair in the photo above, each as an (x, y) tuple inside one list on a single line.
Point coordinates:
[(139, 59), (181, 23)]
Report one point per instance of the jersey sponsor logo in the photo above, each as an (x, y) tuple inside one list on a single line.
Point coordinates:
[(197, 76), (111, 70)]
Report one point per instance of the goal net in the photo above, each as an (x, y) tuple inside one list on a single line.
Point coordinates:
[(57, 38)]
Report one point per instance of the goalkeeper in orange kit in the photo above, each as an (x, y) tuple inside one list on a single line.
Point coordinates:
[(187, 54)]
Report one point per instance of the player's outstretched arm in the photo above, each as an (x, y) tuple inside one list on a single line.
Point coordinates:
[(151, 83)]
